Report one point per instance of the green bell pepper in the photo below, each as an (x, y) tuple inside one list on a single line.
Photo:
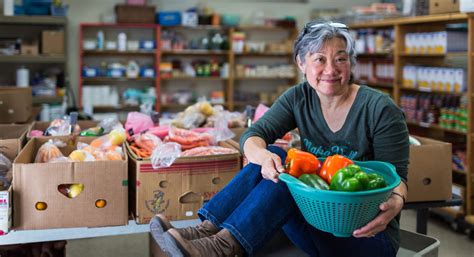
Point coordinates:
[(315, 181), (352, 178)]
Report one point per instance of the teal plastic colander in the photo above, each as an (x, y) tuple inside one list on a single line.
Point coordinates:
[(340, 213)]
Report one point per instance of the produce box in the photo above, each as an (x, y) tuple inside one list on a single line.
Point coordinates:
[(429, 171), (43, 125), (15, 104), (178, 191), (12, 139), (41, 204)]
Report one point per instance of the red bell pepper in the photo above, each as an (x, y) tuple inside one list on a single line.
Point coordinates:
[(331, 165), (300, 162)]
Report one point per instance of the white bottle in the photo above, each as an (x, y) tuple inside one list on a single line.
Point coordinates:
[(8, 7), (100, 40), (122, 42), (22, 77)]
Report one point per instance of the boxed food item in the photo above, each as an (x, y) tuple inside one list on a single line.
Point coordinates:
[(12, 139), (43, 125), (52, 42), (178, 191), (429, 171), (68, 194), (15, 104), (5, 211)]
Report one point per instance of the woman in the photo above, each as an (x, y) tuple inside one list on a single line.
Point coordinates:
[(334, 116)]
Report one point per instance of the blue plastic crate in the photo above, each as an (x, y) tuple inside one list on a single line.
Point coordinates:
[(169, 18), (59, 10)]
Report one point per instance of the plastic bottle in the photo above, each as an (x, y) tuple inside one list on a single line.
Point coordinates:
[(100, 40), (8, 7), (122, 42), (22, 77)]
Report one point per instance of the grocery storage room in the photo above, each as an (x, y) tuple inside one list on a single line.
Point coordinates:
[(236, 128)]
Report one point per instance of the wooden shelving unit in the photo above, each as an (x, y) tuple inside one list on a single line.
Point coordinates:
[(432, 23), (30, 28)]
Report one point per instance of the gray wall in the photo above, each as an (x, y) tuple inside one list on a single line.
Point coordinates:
[(91, 11)]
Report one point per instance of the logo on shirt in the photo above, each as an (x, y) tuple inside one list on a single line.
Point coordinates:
[(321, 151)]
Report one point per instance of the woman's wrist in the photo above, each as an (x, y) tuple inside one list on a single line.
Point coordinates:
[(401, 196)]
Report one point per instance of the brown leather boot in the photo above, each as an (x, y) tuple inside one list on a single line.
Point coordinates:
[(219, 245), (205, 229)]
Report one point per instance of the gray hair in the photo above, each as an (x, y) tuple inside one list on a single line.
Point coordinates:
[(314, 35)]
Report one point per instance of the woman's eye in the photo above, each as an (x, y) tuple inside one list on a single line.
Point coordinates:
[(341, 60), (319, 59)]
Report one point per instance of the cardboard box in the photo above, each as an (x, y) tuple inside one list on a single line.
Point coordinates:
[(178, 191), (40, 182), (12, 139), (29, 48), (443, 6), (43, 125), (15, 104), (429, 171), (52, 42), (135, 13), (5, 211)]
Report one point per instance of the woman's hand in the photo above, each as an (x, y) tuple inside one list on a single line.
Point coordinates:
[(271, 166), (389, 210)]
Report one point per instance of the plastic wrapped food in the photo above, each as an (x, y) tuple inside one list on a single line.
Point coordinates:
[(48, 152)]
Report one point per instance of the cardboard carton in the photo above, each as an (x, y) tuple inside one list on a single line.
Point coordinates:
[(429, 171), (15, 104), (178, 191), (43, 125), (12, 139), (40, 182), (52, 42), (443, 6)]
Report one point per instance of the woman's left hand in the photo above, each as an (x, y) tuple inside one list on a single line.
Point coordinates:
[(389, 210)]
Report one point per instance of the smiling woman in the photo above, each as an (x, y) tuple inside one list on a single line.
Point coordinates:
[(333, 116)]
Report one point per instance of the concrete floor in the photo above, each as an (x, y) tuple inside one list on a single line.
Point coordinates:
[(452, 244)]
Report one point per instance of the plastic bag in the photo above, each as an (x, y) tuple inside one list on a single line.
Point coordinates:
[(138, 122), (109, 124), (5, 164), (58, 127), (49, 151), (221, 131), (165, 154)]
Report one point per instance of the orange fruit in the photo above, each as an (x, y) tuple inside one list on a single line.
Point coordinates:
[(100, 203), (41, 206)]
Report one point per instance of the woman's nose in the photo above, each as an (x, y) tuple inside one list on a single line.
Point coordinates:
[(330, 68)]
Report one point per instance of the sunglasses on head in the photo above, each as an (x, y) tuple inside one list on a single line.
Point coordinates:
[(338, 25)]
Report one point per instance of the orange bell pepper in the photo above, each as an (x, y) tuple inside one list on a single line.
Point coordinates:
[(332, 164), (300, 162)]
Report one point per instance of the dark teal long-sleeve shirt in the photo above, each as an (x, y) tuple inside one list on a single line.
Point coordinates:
[(375, 129)]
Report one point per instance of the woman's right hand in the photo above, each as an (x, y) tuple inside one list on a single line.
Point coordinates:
[(271, 166)]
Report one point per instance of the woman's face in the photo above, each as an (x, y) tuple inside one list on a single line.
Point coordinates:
[(328, 71)]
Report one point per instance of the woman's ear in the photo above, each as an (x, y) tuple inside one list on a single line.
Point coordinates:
[(301, 65)]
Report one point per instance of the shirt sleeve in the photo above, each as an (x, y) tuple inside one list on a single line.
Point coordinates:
[(276, 122), (390, 136)]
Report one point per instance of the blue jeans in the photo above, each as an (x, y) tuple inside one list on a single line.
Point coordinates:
[(253, 209)]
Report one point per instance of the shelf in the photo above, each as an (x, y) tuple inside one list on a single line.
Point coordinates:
[(195, 52), (123, 108), (33, 20), (245, 103), (33, 58), (462, 172), (452, 54), (199, 27), (375, 84), (261, 78), (266, 54), (384, 55), (262, 27), (194, 78), (47, 99), (46, 235), (430, 91), (436, 127), (113, 80), (109, 52)]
